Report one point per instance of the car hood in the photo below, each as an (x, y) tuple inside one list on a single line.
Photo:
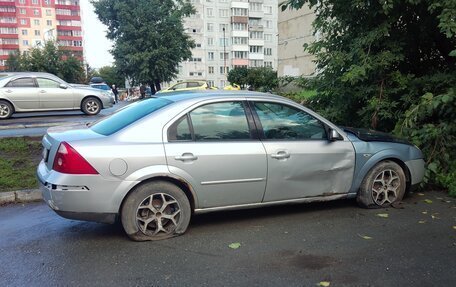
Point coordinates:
[(372, 135)]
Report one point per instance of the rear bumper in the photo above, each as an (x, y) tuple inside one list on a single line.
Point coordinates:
[(80, 197)]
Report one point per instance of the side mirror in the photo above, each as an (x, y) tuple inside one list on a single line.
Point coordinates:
[(334, 135), (63, 86)]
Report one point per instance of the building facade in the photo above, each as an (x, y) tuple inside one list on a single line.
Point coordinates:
[(295, 30), (230, 34), (29, 23)]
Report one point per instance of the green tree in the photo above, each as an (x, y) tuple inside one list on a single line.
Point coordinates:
[(149, 38), (262, 78), (50, 59), (238, 75), (112, 76), (390, 65)]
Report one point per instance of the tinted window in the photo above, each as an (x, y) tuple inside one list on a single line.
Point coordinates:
[(22, 83), (179, 86), (128, 115), (220, 121), (180, 130), (101, 87), (193, 84), (47, 83), (288, 123)]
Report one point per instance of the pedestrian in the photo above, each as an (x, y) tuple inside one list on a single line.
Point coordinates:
[(116, 93), (142, 91)]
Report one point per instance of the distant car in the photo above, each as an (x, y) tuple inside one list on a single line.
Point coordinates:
[(104, 87), (188, 85), (156, 162), (232, 87), (33, 92)]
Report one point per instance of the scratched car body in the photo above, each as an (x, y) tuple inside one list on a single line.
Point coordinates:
[(157, 162)]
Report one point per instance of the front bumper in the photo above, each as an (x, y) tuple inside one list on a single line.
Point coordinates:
[(416, 168)]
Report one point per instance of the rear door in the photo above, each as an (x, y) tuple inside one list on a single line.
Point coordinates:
[(52, 96), (214, 147), (302, 162), (23, 93)]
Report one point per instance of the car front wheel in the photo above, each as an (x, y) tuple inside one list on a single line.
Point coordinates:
[(6, 110), (383, 185), (154, 211), (91, 106)]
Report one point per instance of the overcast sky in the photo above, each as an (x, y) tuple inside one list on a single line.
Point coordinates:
[(96, 45)]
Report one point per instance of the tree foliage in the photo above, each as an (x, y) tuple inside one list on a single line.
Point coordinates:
[(258, 78), (111, 75), (49, 58), (149, 38), (390, 65)]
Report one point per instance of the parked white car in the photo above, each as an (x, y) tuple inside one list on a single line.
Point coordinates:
[(32, 92)]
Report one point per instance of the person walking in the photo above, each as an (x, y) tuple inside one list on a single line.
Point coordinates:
[(142, 91), (116, 93)]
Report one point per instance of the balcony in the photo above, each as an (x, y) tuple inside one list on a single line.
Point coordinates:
[(62, 27), (240, 19), (68, 17), (70, 38), (240, 62), (238, 4), (256, 56), (258, 28), (256, 14), (244, 34)]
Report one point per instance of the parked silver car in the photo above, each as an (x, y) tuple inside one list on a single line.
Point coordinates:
[(158, 161), (30, 92)]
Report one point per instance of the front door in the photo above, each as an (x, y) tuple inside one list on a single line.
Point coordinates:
[(301, 160), (213, 148), (52, 96)]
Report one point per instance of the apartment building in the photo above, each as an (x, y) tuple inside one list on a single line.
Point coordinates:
[(295, 30), (28, 23), (229, 34)]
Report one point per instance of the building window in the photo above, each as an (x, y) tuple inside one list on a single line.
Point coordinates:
[(22, 11), (268, 51), (268, 9), (34, 2), (36, 12), (223, 42), (239, 26), (36, 22), (210, 70), (240, 54), (22, 2), (210, 41), (223, 12), (224, 58), (256, 7), (25, 42), (239, 40), (223, 26), (268, 37), (24, 32), (222, 68), (210, 56), (239, 12), (210, 12), (256, 49), (37, 33), (23, 21), (49, 22), (47, 2), (256, 35), (268, 64), (268, 24), (210, 27), (198, 45), (48, 12)]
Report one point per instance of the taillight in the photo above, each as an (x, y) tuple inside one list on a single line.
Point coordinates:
[(68, 160)]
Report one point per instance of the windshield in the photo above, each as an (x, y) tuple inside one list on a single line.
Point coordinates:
[(128, 115), (101, 87)]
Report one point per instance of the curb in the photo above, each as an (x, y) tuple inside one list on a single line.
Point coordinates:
[(20, 196), (24, 126)]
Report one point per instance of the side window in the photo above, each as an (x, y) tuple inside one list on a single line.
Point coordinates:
[(47, 83), (220, 121), (193, 85), (179, 86), (180, 130), (21, 83), (282, 122)]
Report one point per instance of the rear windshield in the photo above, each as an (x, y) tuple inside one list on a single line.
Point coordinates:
[(126, 116)]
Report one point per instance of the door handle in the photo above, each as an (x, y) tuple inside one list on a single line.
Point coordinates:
[(9, 91), (186, 157), (280, 155), (42, 91)]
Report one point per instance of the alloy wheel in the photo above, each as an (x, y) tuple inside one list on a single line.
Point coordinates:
[(4, 111), (385, 187)]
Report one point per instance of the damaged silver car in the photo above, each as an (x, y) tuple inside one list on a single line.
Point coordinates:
[(156, 162)]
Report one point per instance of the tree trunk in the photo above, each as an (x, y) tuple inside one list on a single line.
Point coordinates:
[(157, 85)]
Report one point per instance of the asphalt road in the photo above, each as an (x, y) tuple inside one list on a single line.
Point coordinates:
[(36, 124), (299, 245)]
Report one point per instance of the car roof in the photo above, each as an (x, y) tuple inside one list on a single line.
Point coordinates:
[(196, 95), (14, 75)]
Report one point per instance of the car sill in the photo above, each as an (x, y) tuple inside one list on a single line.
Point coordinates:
[(264, 204)]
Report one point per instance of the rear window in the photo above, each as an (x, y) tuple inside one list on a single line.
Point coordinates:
[(101, 87), (128, 115)]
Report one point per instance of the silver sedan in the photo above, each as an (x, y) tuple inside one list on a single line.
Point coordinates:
[(156, 162), (31, 92)]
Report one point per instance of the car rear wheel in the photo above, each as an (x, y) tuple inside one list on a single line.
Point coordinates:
[(6, 110), (383, 185), (91, 106), (155, 211)]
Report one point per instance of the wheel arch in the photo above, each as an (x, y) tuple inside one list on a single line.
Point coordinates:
[(9, 102), (91, 96), (182, 184), (371, 163)]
